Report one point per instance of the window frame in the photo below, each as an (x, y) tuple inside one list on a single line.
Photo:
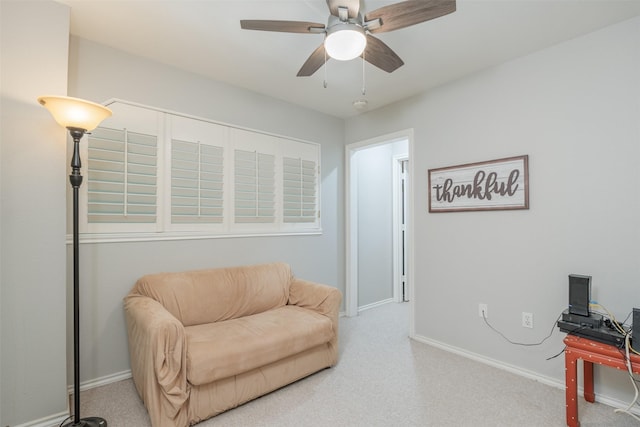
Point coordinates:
[(172, 125)]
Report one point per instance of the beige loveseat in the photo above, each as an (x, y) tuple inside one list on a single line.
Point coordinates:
[(202, 342)]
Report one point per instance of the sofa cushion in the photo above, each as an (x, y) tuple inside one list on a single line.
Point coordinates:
[(222, 349), (207, 296)]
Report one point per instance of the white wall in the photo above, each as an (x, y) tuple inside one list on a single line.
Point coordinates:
[(33, 169), (109, 270), (574, 110)]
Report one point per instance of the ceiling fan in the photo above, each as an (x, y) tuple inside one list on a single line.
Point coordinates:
[(348, 33)]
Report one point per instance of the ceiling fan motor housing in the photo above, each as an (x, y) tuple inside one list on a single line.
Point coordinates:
[(345, 40)]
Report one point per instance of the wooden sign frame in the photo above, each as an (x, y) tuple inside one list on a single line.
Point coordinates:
[(501, 184)]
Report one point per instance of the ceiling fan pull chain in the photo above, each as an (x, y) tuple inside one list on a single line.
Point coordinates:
[(325, 69), (364, 86)]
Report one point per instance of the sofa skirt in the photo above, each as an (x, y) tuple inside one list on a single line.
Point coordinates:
[(208, 400)]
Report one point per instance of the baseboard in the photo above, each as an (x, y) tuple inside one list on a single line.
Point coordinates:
[(57, 419), (553, 382), (98, 382), (374, 305), (50, 421)]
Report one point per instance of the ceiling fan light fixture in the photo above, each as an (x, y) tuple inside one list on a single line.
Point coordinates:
[(345, 41)]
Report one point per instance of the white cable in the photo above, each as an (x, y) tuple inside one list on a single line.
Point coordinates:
[(635, 386), (615, 323)]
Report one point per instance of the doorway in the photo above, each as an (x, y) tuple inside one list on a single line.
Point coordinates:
[(360, 157)]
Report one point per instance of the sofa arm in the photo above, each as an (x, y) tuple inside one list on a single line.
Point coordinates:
[(157, 348), (314, 296), (322, 299)]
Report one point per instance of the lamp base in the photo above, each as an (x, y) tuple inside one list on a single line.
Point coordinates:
[(88, 422)]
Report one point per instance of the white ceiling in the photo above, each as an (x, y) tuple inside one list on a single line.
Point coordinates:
[(204, 37)]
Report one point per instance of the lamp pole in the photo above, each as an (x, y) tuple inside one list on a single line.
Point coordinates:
[(79, 117), (76, 180)]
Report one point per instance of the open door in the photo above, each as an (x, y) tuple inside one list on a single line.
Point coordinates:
[(400, 228), (402, 246)]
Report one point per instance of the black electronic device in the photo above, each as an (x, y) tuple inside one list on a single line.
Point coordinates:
[(635, 334), (602, 334), (594, 320), (579, 294)]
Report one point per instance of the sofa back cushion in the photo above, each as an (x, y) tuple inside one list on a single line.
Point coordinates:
[(205, 296)]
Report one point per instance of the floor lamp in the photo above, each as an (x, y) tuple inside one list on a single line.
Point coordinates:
[(79, 117)]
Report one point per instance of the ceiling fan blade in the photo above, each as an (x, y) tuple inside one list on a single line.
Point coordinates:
[(379, 54), (352, 5), (313, 63), (407, 13), (281, 26)]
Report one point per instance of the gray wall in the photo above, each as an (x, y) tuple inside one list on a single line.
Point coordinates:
[(33, 169), (375, 233), (109, 269), (374, 168), (574, 110)]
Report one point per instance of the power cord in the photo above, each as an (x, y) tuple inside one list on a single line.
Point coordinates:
[(484, 317), (616, 325), (558, 354), (627, 358), (627, 410)]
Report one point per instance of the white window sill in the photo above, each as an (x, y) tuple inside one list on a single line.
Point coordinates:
[(151, 237)]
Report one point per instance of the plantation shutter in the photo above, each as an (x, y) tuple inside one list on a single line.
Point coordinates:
[(299, 190), (122, 177), (164, 174), (254, 188), (197, 181)]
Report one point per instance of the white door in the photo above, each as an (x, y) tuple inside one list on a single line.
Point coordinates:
[(400, 228)]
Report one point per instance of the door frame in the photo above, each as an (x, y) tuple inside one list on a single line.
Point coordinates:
[(351, 224), (398, 208)]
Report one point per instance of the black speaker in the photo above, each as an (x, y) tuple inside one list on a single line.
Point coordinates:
[(635, 334), (579, 294)]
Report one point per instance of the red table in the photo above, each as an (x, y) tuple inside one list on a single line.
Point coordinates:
[(590, 352)]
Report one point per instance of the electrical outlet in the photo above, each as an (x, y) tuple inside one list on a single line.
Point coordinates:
[(527, 320), (483, 310)]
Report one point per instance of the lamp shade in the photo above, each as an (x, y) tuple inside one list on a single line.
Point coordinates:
[(74, 112), (345, 41)]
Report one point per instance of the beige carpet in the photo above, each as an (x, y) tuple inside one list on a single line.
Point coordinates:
[(383, 379)]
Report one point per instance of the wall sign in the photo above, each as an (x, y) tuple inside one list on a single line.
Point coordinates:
[(501, 184)]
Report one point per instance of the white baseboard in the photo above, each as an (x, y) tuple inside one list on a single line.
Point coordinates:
[(375, 304), (57, 419), (98, 382), (553, 382), (50, 421)]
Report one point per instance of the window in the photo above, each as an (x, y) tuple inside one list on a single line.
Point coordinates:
[(254, 187), (168, 175), (300, 186), (299, 190), (197, 178), (122, 177)]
